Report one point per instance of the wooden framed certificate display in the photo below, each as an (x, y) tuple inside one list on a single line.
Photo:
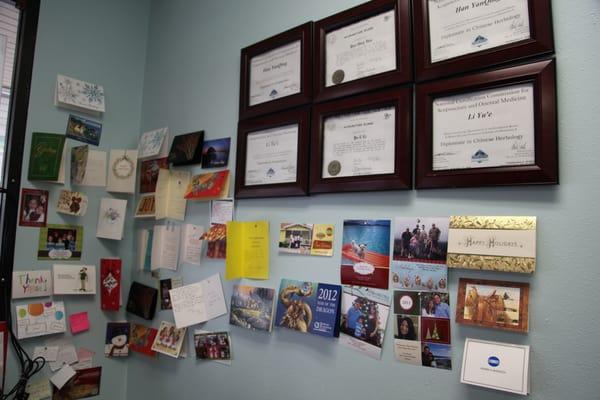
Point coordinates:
[(455, 36), (362, 143), (488, 129), (366, 47), (276, 73), (273, 155)]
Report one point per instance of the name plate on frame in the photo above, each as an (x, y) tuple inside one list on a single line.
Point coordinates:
[(505, 244)]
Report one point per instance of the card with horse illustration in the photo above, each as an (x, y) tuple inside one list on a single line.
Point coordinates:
[(493, 304)]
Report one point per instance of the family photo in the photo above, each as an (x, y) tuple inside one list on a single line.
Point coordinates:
[(364, 319), (34, 207), (421, 239)]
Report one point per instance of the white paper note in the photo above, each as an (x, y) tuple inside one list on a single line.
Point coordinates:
[(62, 376), (221, 211), (198, 302), (165, 247), (49, 353), (67, 355), (191, 244)]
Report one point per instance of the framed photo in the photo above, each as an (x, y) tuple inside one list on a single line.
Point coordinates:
[(34, 207), (453, 37), (272, 156), (488, 129), (362, 143), (276, 73), (364, 48), (493, 304)]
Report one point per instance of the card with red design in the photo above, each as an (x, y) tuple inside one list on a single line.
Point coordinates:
[(110, 283)]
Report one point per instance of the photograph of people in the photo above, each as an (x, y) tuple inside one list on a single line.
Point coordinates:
[(421, 239), (406, 328)]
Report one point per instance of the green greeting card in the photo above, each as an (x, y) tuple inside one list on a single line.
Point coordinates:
[(46, 156)]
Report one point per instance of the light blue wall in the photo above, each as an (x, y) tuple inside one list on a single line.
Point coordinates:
[(192, 82), (102, 42)]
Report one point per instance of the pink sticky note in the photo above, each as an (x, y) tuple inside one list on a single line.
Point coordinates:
[(79, 322)]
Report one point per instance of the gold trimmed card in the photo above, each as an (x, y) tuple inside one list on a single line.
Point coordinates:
[(506, 244)]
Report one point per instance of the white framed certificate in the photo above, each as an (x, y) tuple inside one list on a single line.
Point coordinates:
[(361, 49), (457, 28), (361, 143), (271, 156), (275, 74), (482, 129)]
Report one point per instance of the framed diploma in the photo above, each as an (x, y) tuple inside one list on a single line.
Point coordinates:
[(362, 143), (272, 156), (455, 36), (366, 47), (276, 73), (488, 129)]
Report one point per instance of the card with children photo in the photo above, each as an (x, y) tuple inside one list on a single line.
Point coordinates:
[(34, 207), (169, 339)]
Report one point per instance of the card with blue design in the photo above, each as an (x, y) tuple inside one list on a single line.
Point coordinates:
[(84, 130)]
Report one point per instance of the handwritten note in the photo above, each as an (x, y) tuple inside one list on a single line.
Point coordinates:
[(198, 302), (191, 244)]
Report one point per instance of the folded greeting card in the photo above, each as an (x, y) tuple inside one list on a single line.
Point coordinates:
[(169, 339), (34, 207), (142, 300), (153, 143), (122, 166), (117, 339), (187, 149), (74, 279), (60, 242), (169, 196), (84, 130), (111, 218), (210, 186), (149, 170), (110, 284), (79, 157), (164, 286), (141, 338), (38, 319), (146, 206), (31, 284), (165, 247), (215, 153), (248, 254), (213, 346), (88, 167), (72, 203), (198, 302), (216, 237), (46, 159), (79, 95), (252, 307)]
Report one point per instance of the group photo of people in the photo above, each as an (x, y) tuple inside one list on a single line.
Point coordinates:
[(364, 319), (61, 239), (421, 239), (213, 346), (34, 207)]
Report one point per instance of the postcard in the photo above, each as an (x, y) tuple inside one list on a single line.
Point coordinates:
[(169, 339), (84, 130), (252, 307), (72, 203), (34, 207), (436, 355), (248, 255), (506, 244), (213, 346), (141, 338), (110, 284), (366, 253), (74, 279), (117, 339), (47, 157), (364, 318), (419, 276), (31, 284), (169, 197), (209, 186), (495, 365), (149, 170), (38, 319), (493, 304), (164, 286), (215, 153), (221, 211), (216, 238), (141, 300), (421, 239), (309, 307), (146, 206), (165, 247), (122, 167), (79, 322), (38, 389), (153, 143), (79, 95), (85, 383), (111, 218), (60, 242), (187, 149), (198, 302), (307, 239)]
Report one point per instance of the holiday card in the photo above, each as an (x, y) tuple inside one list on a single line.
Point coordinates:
[(72, 203), (79, 95), (74, 279), (38, 319), (153, 143), (110, 284), (117, 339), (122, 166), (60, 242), (34, 207), (111, 218), (84, 130)]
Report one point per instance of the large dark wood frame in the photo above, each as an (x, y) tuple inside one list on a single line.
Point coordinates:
[(304, 33), (545, 170), (523, 326), (401, 99), (300, 187), (540, 42), (403, 72)]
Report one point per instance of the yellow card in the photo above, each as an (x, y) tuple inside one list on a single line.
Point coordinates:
[(247, 250)]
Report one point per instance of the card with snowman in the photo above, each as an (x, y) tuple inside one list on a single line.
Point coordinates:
[(117, 339)]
